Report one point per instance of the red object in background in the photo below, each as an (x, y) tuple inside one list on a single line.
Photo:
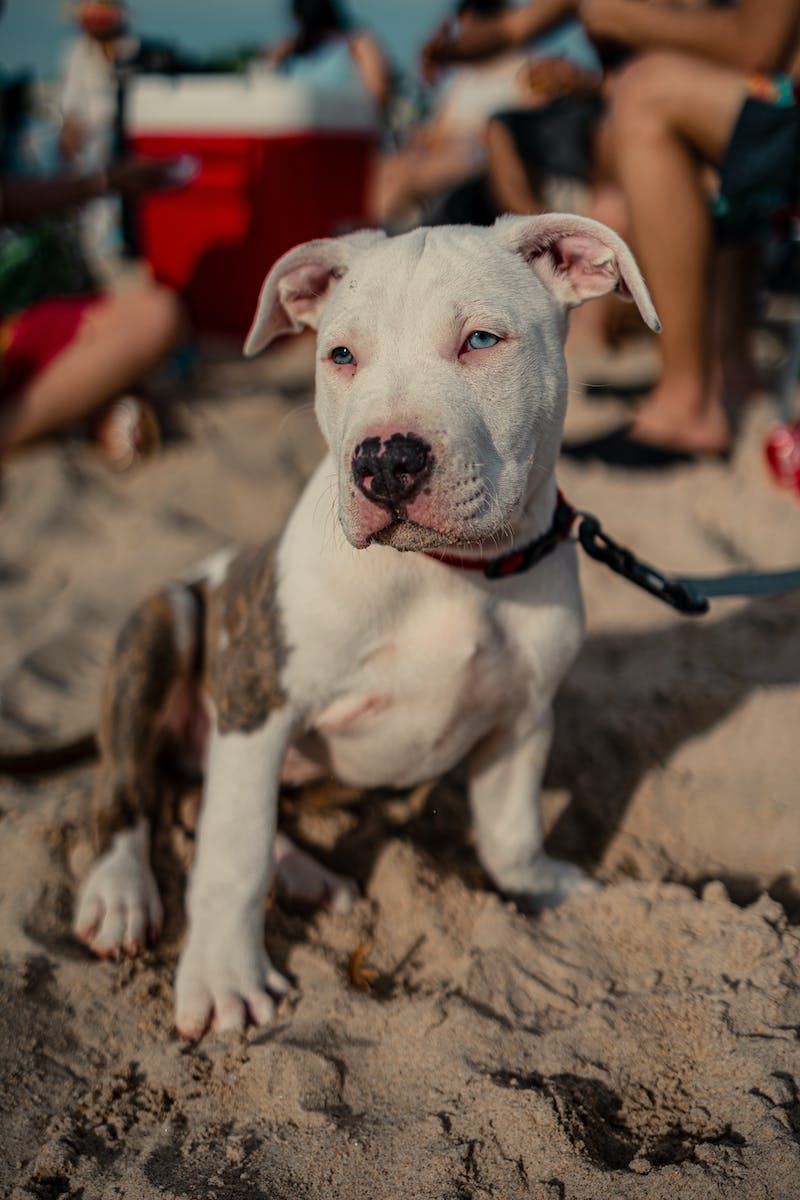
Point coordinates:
[(782, 449), (253, 198), (277, 165)]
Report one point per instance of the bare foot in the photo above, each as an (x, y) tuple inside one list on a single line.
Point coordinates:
[(667, 420)]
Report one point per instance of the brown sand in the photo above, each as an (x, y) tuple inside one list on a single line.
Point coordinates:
[(638, 1044)]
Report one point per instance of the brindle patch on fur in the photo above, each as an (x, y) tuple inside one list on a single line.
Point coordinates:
[(144, 667), (245, 649)]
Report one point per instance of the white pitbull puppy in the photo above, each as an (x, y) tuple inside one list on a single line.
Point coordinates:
[(441, 389)]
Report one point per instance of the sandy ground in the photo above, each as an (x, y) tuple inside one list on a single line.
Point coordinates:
[(641, 1043)]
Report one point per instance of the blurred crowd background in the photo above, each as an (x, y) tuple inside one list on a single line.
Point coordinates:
[(156, 159)]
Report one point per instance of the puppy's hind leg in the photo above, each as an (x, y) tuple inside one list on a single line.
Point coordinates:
[(306, 882), (151, 679)]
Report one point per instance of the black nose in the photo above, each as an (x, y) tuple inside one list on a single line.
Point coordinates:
[(391, 471)]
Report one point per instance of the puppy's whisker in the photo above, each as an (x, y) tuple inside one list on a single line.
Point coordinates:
[(496, 506), (538, 467), (294, 411), (330, 523), (325, 495), (333, 528), (337, 533)]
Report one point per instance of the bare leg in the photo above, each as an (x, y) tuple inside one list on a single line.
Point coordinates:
[(121, 339), (509, 181), (669, 109), (415, 174)]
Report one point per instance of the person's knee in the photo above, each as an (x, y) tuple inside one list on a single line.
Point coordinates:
[(644, 92), (152, 315)]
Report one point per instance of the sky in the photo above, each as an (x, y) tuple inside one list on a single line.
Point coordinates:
[(33, 32)]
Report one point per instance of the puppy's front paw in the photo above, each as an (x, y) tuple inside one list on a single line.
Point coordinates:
[(119, 909), (224, 979), (549, 882)]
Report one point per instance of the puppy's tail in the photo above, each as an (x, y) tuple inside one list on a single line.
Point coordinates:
[(42, 760)]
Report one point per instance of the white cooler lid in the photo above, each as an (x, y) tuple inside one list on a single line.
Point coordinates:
[(261, 102)]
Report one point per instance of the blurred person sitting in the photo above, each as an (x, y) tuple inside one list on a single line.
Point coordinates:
[(90, 112), (326, 52), (88, 98), (97, 67), (550, 23), (541, 155), (68, 351), (449, 146), (706, 87), (539, 149)]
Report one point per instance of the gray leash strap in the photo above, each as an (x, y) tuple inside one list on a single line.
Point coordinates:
[(743, 583)]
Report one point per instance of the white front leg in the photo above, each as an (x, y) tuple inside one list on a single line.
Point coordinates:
[(506, 772), (224, 973)]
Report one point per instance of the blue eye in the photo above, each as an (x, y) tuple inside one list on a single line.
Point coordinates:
[(342, 356), (479, 339)]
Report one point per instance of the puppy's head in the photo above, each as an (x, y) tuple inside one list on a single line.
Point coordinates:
[(441, 383)]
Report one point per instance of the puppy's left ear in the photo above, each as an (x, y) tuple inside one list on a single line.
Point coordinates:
[(577, 259), (299, 285)]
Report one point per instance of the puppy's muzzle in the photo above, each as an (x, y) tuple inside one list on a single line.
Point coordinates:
[(390, 472)]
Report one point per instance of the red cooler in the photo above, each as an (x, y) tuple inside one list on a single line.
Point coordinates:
[(276, 164)]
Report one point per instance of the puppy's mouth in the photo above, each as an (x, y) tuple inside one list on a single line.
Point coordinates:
[(408, 535)]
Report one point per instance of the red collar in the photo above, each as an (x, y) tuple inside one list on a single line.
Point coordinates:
[(522, 558)]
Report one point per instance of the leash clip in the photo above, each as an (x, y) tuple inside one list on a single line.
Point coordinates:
[(600, 546)]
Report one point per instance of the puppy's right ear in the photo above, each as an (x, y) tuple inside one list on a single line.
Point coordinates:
[(299, 285)]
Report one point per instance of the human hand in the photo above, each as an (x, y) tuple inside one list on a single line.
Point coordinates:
[(549, 78)]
